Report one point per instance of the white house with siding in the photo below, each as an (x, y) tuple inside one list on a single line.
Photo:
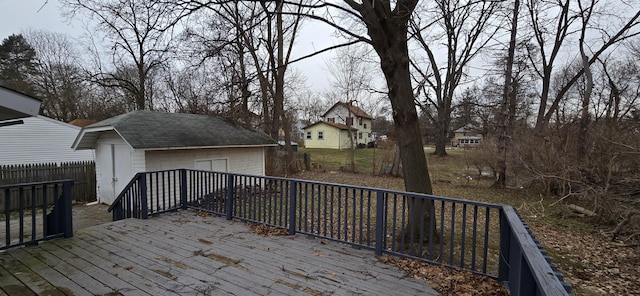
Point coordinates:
[(142, 141), (40, 139)]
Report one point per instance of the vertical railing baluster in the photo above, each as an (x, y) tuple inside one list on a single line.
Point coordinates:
[(441, 254), (21, 214), (486, 241), (339, 212), (474, 238), (394, 219), (326, 202), (361, 220), (432, 227), (331, 213), (423, 203), (453, 233), (33, 212), (312, 208), (7, 215), (464, 234), (368, 217)]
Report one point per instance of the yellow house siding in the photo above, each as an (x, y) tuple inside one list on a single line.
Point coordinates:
[(333, 138)]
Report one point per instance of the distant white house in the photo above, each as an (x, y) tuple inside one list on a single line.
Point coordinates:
[(40, 139), (466, 137), (141, 141)]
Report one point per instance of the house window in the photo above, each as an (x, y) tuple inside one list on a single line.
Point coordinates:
[(360, 121), (320, 135), (365, 125), (360, 135), (308, 135), (331, 119), (349, 121), (369, 135)]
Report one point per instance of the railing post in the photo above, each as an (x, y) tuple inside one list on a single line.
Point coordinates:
[(117, 212), (144, 203), (231, 194), (183, 189), (505, 245), (66, 206), (380, 205), (293, 187)]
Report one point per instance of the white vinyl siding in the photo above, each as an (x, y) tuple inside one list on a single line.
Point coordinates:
[(40, 140)]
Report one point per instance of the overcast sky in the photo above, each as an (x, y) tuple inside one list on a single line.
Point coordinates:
[(17, 16)]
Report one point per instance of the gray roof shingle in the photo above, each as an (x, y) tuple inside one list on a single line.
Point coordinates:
[(149, 130)]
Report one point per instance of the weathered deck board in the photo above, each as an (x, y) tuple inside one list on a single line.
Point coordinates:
[(184, 254)]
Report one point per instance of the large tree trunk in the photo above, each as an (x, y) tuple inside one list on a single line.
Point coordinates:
[(442, 129), (388, 31)]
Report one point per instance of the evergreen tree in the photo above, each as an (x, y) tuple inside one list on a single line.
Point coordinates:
[(17, 64)]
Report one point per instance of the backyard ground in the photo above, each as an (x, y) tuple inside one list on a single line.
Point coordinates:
[(590, 260)]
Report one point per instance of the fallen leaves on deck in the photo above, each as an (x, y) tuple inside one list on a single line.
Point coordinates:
[(266, 230), (448, 281)]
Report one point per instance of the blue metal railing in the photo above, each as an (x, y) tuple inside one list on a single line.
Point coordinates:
[(483, 238), (33, 212)]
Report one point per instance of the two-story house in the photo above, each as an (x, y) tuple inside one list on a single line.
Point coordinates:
[(466, 137), (343, 126)]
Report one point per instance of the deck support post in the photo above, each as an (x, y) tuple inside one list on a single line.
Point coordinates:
[(505, 244), (379, 222), (65, 204), (144, 204), (183, 189), (292, 206)]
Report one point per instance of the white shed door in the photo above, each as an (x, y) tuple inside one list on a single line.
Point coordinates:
[(216, 165), (115, 170)]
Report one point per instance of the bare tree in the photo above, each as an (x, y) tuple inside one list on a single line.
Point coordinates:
[(552, 23), (466, 27), (60, 80), (138, 33)]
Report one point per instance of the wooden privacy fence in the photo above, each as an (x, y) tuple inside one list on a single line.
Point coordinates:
[(82, 172)]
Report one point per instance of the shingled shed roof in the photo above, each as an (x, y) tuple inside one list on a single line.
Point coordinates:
[(156, 130)]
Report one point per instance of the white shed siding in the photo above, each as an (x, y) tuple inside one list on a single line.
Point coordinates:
[(248, 160), (40, 140), (138, 161)]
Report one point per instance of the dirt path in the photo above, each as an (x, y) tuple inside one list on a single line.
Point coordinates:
[(89, 215)]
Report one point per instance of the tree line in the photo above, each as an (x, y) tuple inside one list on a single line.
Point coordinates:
[(552, 86)]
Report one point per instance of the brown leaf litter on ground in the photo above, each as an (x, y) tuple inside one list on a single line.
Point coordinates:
[(266, 230), (591, 262), (449, 281)]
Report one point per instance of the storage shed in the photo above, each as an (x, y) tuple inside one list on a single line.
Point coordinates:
[(142, 141)]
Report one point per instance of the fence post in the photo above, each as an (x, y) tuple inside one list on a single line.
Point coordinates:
[(67, 211), (380, 205), (292, 206), (183, 189), (230, 195), (505, 245), (144, 203)]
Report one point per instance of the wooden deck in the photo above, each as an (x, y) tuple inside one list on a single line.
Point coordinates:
[(185, 254)]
